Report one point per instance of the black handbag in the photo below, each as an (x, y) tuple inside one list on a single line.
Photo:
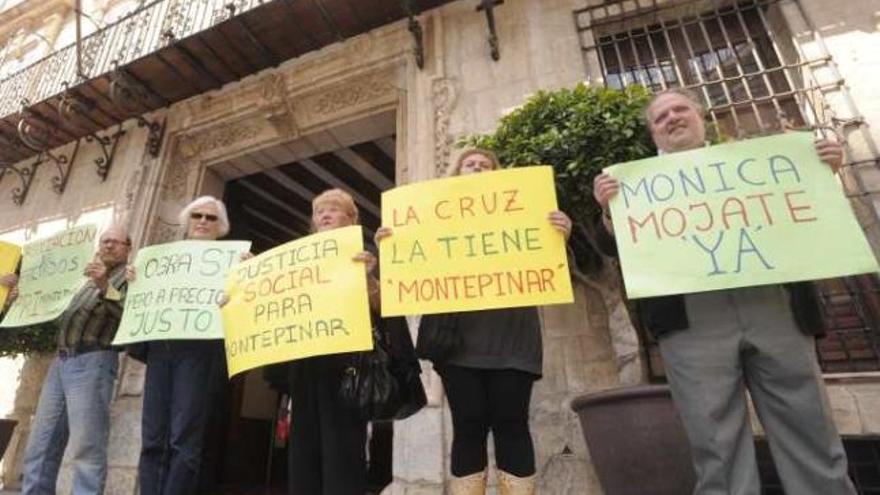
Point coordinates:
[(439, 338), (384, 383)]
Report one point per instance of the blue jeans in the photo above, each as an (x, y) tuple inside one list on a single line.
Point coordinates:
[(75, 405), (176, 392)]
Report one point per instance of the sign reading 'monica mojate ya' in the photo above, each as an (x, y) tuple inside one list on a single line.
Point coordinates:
[(756, 212)]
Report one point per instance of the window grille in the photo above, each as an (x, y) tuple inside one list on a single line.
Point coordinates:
[(863, 454)]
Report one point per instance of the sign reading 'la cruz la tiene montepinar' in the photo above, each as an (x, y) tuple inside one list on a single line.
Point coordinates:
[(473, 242)]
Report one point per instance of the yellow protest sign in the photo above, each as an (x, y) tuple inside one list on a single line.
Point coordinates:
[(301, 299), (9, 256), (473, 242)]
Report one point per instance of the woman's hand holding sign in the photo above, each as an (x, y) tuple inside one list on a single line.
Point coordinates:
[(382, 233), (370, 263), (10, 281), (561, 222)]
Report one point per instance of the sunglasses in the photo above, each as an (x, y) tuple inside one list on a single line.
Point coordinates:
[(199, 216)]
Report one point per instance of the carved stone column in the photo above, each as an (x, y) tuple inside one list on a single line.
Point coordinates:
[(30, 382)]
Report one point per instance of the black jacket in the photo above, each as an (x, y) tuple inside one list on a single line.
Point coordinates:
[(664, 314)]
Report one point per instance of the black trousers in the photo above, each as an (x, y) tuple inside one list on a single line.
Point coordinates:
[(483, 400), (327, 449), (176, 392)]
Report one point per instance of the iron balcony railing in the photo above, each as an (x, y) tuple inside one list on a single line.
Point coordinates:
[(140, 33)]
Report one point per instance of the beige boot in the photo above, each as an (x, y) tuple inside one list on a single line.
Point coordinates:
[(509, 484), (472, 484)]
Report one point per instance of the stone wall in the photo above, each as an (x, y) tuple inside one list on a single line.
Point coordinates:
[(589, 345), (86, 199)]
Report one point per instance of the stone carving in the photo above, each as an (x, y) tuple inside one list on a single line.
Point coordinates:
[(273, 87), (163, 232), (339, 98), (175, 182), (130, 191), (190, 146), (275, 99), (444, 96), (133, 189), (361, 45)]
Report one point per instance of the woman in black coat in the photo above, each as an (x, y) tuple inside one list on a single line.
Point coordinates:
[(488, 376)]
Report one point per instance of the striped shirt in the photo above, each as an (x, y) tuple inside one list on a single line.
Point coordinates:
[(91, 319)]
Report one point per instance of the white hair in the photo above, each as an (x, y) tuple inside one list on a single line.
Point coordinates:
[(222, 217)]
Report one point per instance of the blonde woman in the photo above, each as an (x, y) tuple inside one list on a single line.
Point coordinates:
[(488, 377), (327, 439)]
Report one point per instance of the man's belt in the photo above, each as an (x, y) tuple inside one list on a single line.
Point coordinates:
[(65, 353)]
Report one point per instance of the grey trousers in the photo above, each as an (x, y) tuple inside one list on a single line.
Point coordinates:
[(747, 339)]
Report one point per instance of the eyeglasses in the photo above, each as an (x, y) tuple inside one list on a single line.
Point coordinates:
[(199, 216), (114, 242)]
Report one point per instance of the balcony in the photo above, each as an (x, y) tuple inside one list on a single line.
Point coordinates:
[(167, 51)]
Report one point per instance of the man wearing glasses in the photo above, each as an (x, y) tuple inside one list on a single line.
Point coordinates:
[(718, 344), (75, 400)]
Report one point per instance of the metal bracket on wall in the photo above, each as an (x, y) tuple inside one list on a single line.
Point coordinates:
[(415, 28), (488, 7), (26, 175), (108, 149), (157, 134), (64, 165)]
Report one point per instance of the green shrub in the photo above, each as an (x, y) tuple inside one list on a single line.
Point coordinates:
[(579, 132), (26, 340)]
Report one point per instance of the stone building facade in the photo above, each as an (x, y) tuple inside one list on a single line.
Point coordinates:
[(371, 83)]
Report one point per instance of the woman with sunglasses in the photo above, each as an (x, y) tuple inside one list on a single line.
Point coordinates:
[(181, 377), (488, 376)]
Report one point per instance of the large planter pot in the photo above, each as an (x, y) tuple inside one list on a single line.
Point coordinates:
[(636, 441), (6, 428)]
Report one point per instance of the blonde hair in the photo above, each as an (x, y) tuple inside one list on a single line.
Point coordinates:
[(222, 217), (692, 98), (455, 169), (339, 198)]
